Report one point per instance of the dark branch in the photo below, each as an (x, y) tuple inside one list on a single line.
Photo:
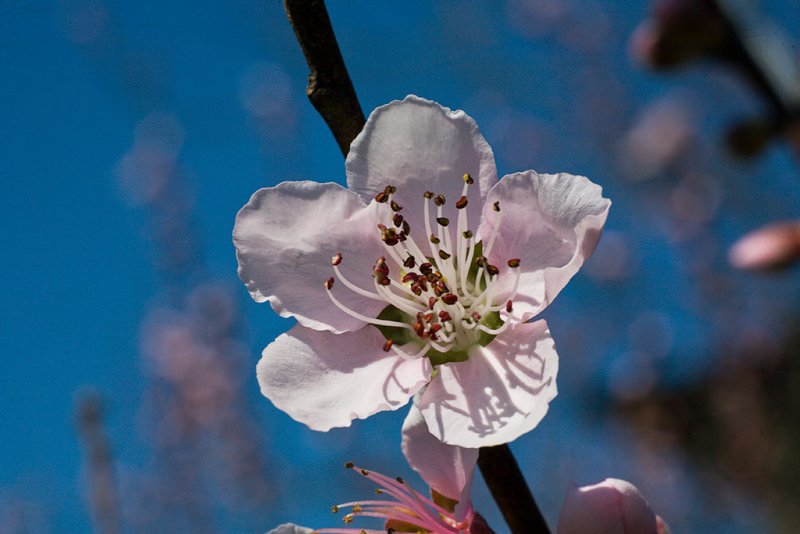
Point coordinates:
[(329, 87), (510, 491), (99, 464)]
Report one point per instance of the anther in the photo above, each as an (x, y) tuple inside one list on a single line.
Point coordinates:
[(409, 262), (419, 328), (357, 508), (462, 202), (444, 315), (328, 283), (467, 234), (428, 194), (409, 277), (400, 480), (480, 261), (444, 221), (406, 227), (509, 306), (426, 268), (435, 240), (432, 302), (450, 298), (439, 200), (492, 270), (514, 263), (381, 197), (384, 280), (444, 255), (390, 190), (365, 472), (468, 178), (397, 219), (335, 509), (388, 344), (476, 316), (347, 519), (434, 328), (496, 205), (395, 206), (349, 465), (336, 260)]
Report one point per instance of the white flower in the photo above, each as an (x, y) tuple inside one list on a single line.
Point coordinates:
[(421, 277)]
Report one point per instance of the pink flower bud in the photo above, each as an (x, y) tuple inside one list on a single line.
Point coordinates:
[(609, 507), (768, 248)]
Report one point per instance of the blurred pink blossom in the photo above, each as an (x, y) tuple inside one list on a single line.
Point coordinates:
[(768, 248), (612, 506)]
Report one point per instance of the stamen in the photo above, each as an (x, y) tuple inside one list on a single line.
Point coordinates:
[(360, 317), (419, 354), (450, 299)]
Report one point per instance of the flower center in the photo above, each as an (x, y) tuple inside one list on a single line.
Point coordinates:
[(440, 304)]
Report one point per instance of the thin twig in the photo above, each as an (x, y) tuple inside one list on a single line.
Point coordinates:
[(99, 465), (329, 87), (510, 491)]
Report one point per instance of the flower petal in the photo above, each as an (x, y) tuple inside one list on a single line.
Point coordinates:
[(448, 469), (417, 145), (552, 223), (326, 380), (499, 393), (285, 237), (612, 506), (289, 528)]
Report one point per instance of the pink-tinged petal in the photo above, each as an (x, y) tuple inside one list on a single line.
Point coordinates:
[(551, 223), (285, 237), (326, 380), (417, 146), (448, 469), (609, 507), (501, 392), (289, 528)]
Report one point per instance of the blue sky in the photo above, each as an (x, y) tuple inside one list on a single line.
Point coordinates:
[(81, 262)]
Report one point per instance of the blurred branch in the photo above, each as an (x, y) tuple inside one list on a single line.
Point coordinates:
[(99, 464), (510, 491), (329, 87), (732, 32)]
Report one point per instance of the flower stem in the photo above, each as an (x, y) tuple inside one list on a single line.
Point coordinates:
[(329, 87), (510, 491)]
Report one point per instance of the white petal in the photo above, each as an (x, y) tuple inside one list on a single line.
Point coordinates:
[(285, 237), (552, 223), (417, 146), (326, 380), (446, 468), (501, 392), (289, 528)]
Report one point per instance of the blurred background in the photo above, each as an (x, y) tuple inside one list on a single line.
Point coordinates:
[(131, 133)]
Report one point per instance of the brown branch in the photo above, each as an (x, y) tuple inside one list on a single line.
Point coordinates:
[(329, 87), (510, 491), (99, 466)]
